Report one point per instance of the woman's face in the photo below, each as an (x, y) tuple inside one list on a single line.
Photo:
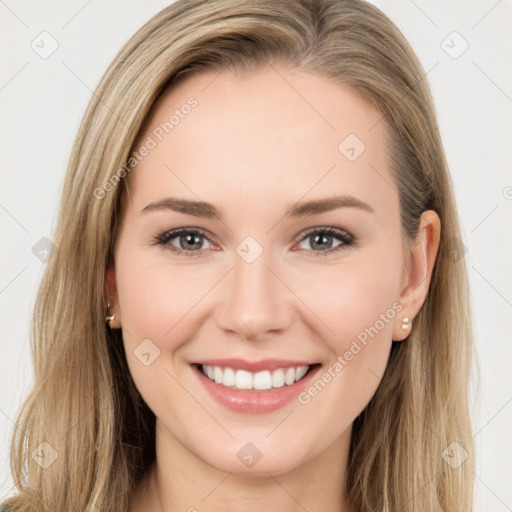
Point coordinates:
[(248, 284)]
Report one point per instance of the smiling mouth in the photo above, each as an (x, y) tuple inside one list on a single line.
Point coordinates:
[(264, 380)]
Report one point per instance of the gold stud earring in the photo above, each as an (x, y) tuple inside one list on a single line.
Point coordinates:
[(405, 323), (110, 318)]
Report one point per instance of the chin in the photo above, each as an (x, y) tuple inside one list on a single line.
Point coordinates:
[(253, 459)]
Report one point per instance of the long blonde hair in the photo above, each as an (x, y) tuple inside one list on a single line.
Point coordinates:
[(84, 403)]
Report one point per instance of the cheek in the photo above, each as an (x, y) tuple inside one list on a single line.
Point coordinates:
[(155, 296), (352, 297), (160, 301), (357, 300), (156, 302)]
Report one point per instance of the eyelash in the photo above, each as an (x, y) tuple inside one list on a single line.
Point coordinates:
[(347, 239)]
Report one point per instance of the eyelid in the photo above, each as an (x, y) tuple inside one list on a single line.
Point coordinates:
[(332, 230), (343, 236), (170, 234)]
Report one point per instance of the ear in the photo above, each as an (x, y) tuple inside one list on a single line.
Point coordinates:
[(419, 263)]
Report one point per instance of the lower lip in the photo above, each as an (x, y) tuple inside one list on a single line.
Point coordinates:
[(255, 402)]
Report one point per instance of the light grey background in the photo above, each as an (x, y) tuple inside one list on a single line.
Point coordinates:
[(43, 99)]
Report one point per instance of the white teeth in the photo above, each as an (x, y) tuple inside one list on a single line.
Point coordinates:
[(264, 380), (229, 377), (289, 376), (301, 371), (243, 380), (278, 378)]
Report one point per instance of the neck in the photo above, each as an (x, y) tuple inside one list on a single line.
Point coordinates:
[(180, 480)]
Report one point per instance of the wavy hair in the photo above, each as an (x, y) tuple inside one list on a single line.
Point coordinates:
[(84, 403)]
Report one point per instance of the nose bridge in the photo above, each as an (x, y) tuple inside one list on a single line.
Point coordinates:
[(253, 280), (256, 300)]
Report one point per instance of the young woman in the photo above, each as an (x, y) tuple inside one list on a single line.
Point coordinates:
[(253, 299)]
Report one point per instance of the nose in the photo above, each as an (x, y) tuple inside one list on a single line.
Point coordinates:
[(257, 302)]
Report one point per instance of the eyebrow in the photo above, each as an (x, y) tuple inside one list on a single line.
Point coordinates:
[(298, 209)]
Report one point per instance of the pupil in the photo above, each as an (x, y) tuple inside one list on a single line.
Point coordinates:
[(324, 239), (190, 238)]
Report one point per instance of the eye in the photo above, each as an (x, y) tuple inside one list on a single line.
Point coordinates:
[(323, 238), (190, 241)]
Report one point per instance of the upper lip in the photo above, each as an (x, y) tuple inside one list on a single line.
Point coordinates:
[(253, 366)]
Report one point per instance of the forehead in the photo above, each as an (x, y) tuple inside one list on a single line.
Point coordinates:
[(263, 137)]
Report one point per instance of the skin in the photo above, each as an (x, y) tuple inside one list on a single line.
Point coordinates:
[(253, 146)]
